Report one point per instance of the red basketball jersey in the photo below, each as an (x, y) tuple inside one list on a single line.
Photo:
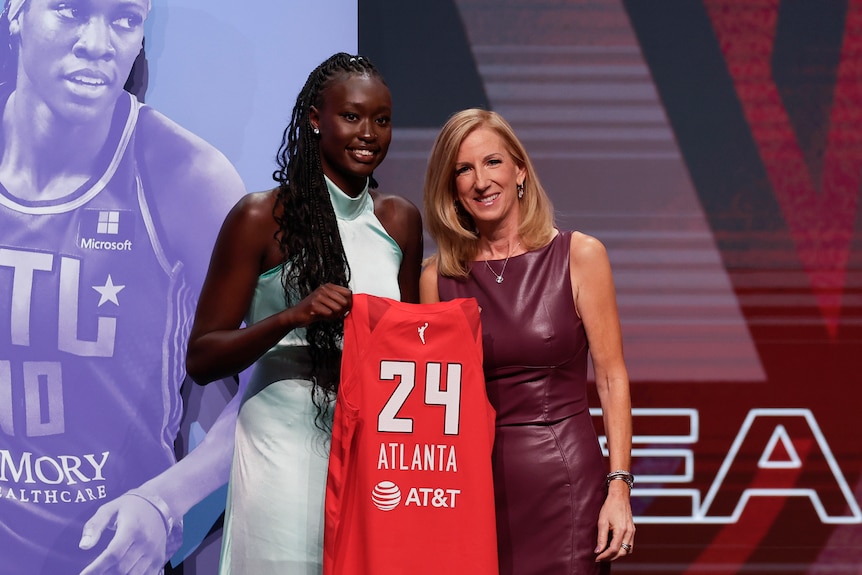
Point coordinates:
[(410, 489)]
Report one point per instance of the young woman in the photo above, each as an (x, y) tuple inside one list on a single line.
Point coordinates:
[(286, 263), (100, 266), (547, 301)]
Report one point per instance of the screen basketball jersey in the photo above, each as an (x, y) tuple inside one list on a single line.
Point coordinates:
[(93, 317), (410, 488)]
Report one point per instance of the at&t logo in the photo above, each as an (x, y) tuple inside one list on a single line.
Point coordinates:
[(386, 496)]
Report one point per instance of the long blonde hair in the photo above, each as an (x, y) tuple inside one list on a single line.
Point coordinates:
[(452, 228)]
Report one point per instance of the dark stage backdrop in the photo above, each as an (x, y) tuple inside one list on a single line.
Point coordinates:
[(715, 147)]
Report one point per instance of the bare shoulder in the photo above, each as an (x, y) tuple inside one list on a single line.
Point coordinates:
[(401, 220), (155, 127), (257, 203), (390, 206), (255, 210), (177, 154), (187, 175), (248, 233), (588, 262), (586, 249)]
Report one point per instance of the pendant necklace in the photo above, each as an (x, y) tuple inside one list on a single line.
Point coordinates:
[(499, 276)]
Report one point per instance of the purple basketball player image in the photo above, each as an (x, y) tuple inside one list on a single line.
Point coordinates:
[(99, 270)]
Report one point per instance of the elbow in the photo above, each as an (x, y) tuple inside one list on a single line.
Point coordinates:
[(195, 375), (196, 368)]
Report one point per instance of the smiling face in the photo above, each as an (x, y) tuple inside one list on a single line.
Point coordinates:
[(75, 55), (354, 119), (486, 180)]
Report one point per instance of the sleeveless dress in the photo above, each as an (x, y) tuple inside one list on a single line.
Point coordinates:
[(549, 473), (274, 511)]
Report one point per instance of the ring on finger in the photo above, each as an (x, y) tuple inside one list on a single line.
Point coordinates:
[(627, 547)]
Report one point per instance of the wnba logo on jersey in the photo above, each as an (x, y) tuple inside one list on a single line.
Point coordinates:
[(106, 230)]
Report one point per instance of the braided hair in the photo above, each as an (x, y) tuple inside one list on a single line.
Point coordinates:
[(308, 230)]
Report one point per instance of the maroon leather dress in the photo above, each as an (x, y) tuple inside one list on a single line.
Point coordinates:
[(549, 473)]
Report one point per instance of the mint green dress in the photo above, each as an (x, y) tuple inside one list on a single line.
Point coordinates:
[(274, 514)]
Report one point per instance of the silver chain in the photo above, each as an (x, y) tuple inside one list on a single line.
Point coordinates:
[(502, 271)]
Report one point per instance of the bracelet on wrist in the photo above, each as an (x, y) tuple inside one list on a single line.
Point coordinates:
[(621, 475), (159, 504)]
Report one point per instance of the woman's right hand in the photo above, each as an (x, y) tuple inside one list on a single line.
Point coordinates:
[(327, 303)]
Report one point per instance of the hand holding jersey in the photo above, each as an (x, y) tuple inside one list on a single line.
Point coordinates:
[(409, 488)]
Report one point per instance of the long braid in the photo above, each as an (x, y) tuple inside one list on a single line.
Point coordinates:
[(308, 229)]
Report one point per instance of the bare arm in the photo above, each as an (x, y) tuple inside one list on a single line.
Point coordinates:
[(218, 345), (189, 177), (428, 292), (595, 301), (403, 222), (204, 469)]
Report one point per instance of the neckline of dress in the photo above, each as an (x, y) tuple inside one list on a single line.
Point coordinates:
[(533, 251), (347, 207)]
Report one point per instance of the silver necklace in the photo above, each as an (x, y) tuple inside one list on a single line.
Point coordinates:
[(499, 276)]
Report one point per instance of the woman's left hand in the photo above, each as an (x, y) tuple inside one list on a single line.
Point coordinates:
[(138, 543), (616, 526)]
